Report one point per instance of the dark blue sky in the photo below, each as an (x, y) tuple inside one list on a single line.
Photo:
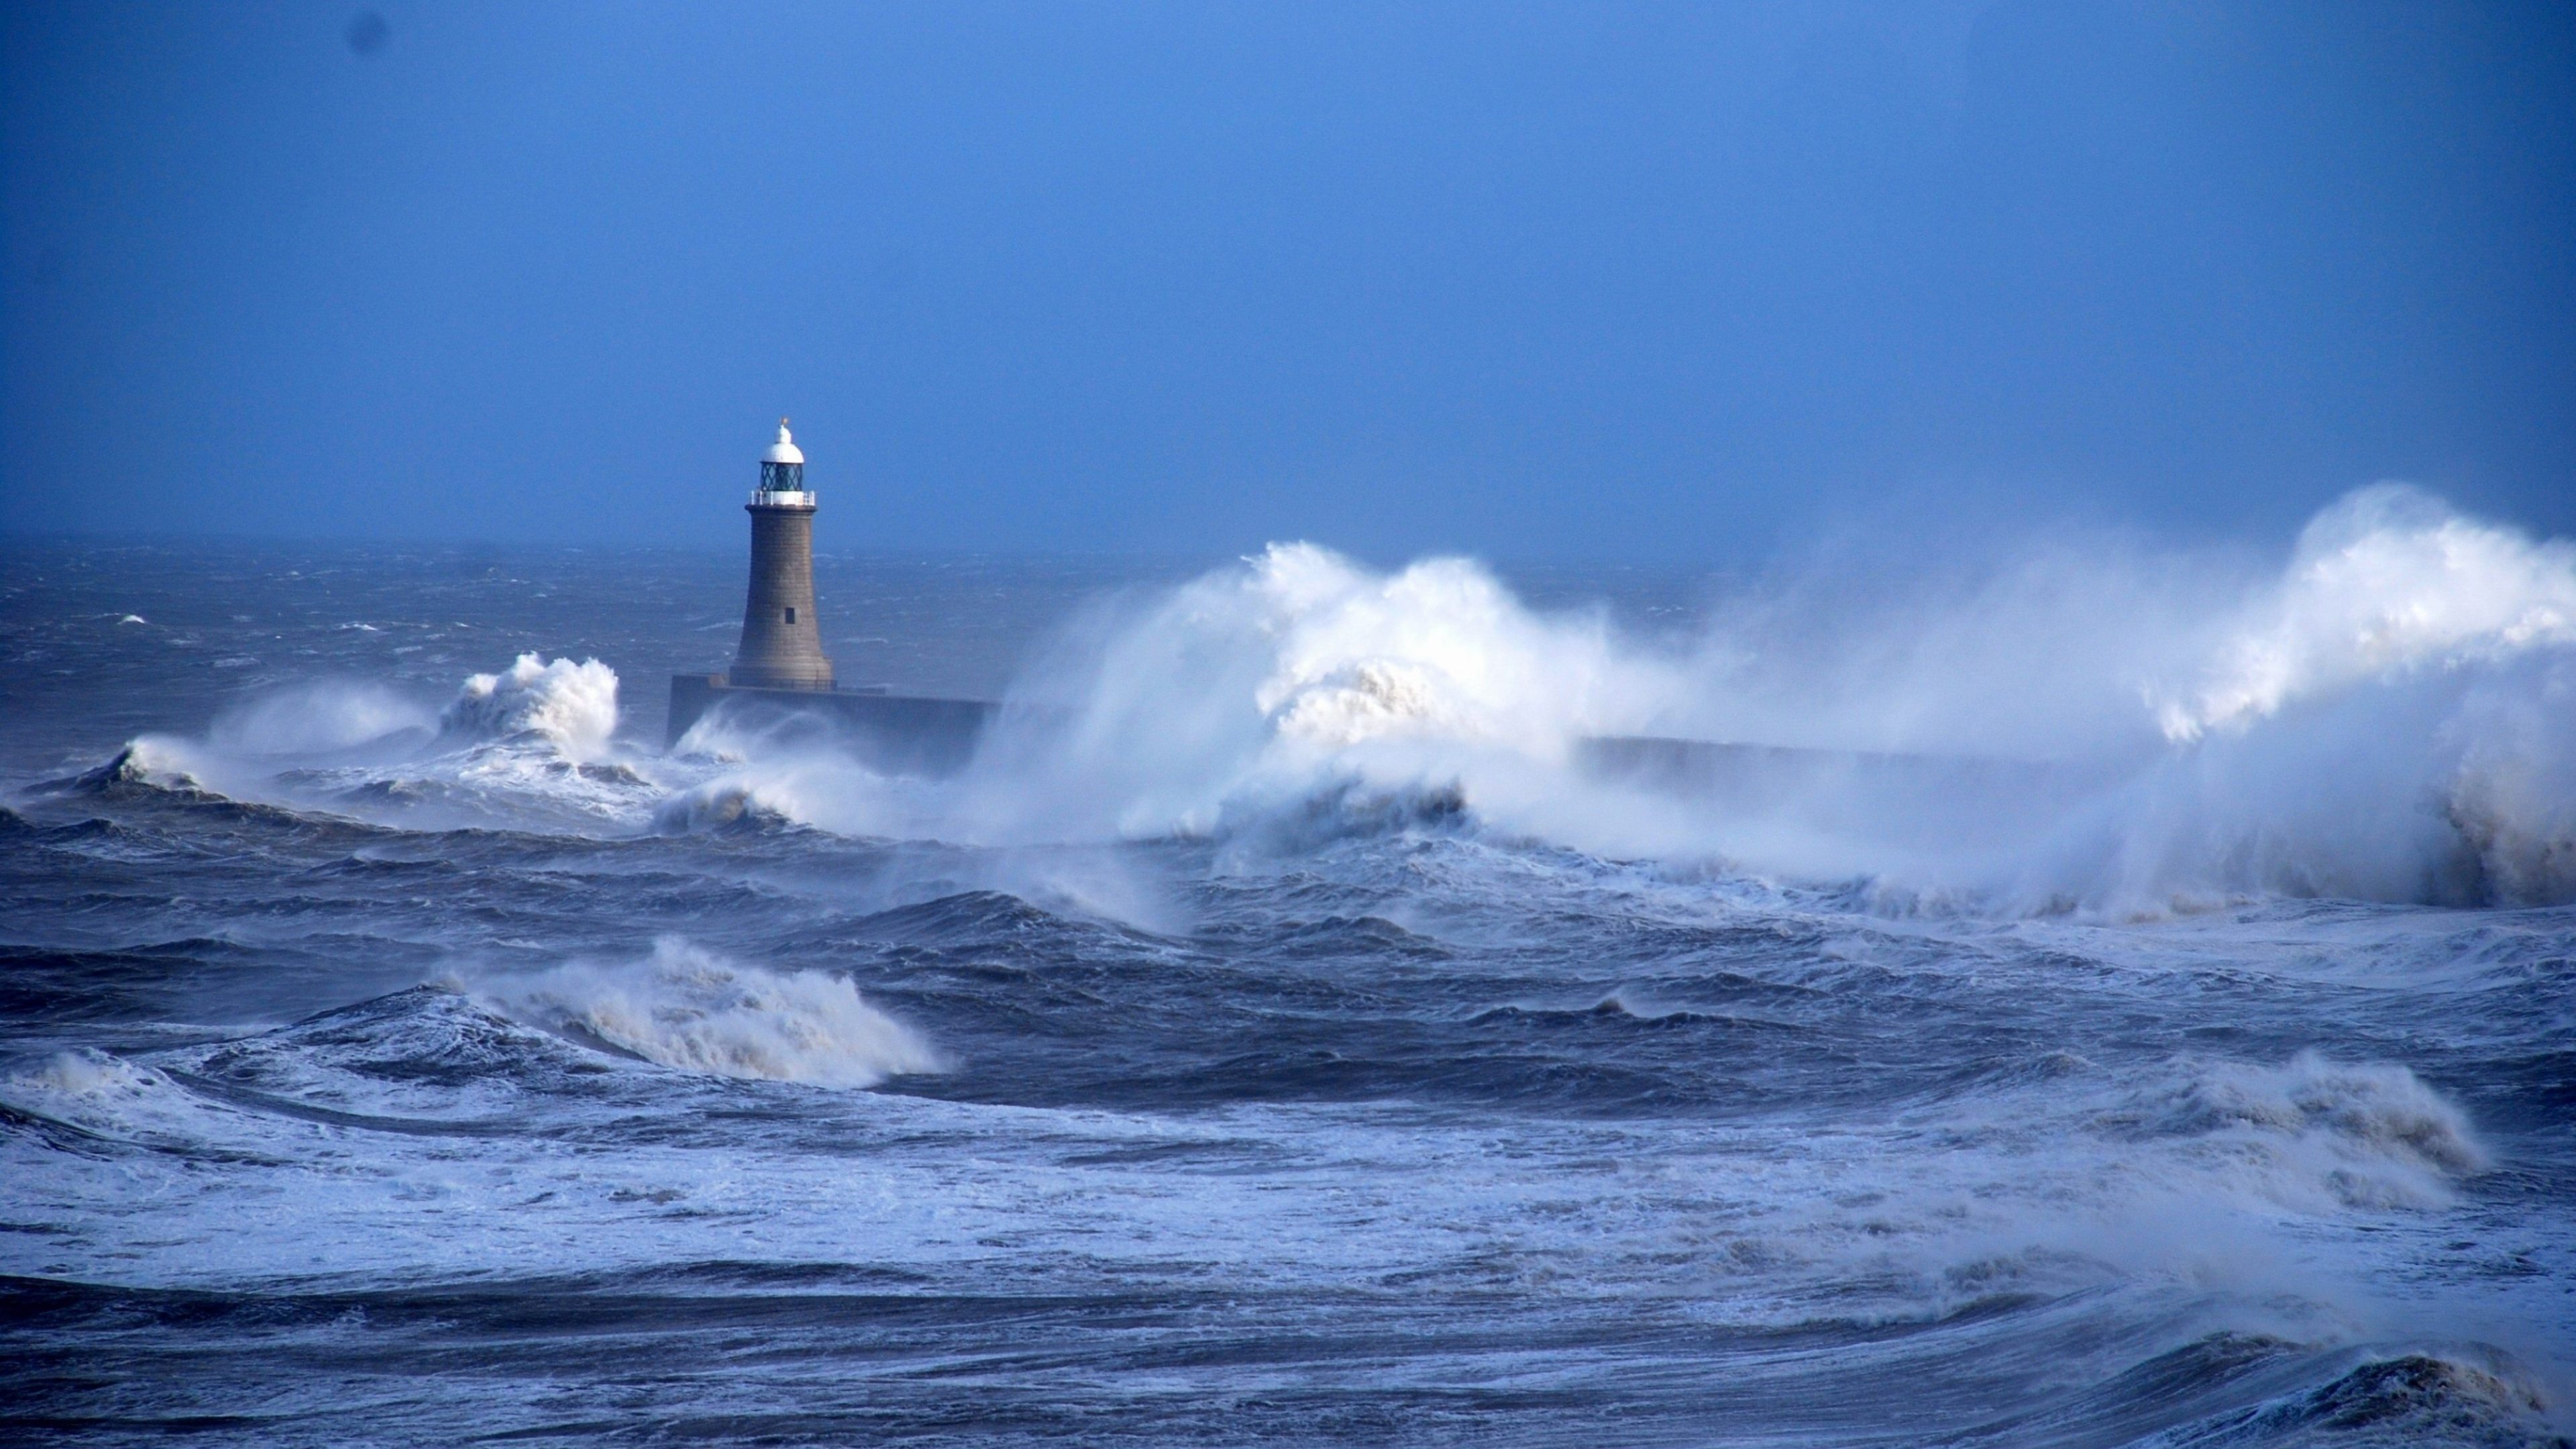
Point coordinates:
[(1581, 281)]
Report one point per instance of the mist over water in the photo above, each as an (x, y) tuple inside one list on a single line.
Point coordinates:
[(2116, 994)]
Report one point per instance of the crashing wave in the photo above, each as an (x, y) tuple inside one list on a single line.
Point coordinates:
[(2351, 1134), (528, 747), (689, 1008), (727, 805), (2387, 721), (109, 1098), (88, 1073), (2386, 581), (147, 762), (2512, 795), (574, 706), (1346, 809), (2383, 719), (2377, 1109)]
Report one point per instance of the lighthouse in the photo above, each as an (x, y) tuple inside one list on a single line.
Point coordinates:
[(781, 647), (779, 674)]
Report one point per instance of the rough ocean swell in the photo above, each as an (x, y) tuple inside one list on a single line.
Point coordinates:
[(2133, 1007)]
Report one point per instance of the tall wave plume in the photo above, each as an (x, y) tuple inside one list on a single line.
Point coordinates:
[(2088, 724), (571, 706), (1295, 676), (2390, 718), (2388, 581)]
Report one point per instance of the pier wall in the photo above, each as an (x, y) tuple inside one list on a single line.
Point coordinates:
[(894, 733)]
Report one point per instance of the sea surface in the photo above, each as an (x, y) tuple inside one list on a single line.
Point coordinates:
[(1271, 1041)]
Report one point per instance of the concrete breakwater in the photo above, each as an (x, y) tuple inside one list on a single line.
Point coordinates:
[(933, 737), (892, 733)]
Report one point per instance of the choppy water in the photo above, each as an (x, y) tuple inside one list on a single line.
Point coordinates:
[(391, 1060)]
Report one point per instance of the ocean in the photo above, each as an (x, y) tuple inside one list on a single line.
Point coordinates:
[(1278, 1035)]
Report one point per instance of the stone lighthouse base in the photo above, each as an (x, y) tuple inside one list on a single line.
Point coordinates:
[(896, 734)]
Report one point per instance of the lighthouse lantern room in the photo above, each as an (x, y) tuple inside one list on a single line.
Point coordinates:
[(782, 468)]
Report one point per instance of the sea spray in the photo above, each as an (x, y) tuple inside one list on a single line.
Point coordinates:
[(316, 718), (2386, 582), (2375, 721), (574, 706), (1293, 673), (2382, 715)]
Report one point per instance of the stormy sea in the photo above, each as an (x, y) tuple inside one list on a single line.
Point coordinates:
[(2106, 993)]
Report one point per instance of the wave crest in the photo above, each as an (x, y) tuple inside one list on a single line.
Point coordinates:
[(2388, 579), (689, 1008), (572, 705), (2378, 1109), (2313, 1132)]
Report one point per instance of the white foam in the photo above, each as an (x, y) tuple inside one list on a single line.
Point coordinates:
[(687, 1007), (164, 761), (528, 747), (113, 1097), (2380, 718), (1289, 675), (88, 1073), (2386, 581), (1439, 651), (2311, 1131), (572, 705)]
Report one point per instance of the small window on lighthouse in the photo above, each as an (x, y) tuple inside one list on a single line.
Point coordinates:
[(791, 614)]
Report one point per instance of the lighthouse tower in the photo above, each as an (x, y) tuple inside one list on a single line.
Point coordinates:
[(781, 648)]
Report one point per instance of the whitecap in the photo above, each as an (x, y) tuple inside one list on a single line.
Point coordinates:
[(690, 1008), (573, 705)]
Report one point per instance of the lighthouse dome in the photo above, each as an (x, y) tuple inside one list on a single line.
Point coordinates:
[(785, 449)]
